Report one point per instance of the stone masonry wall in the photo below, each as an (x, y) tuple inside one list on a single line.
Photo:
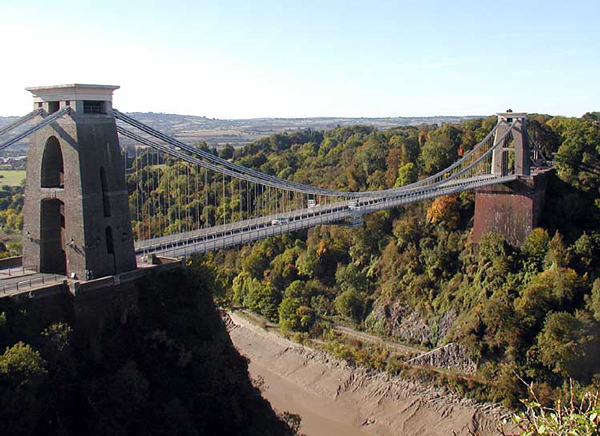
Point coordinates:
[(511, 209)]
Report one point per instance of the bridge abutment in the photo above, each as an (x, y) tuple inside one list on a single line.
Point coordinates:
[(512, 209)]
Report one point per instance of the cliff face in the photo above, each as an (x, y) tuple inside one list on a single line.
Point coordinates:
[(164, 366)]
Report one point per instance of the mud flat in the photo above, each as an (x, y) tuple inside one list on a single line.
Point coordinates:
[(333, 398)]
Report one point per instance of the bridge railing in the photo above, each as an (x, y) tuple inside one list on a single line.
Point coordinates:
[(21, 270), (23, 285)]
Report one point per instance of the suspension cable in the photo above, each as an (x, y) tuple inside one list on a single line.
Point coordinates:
[(48, 120), (34, 113), (281, 183)]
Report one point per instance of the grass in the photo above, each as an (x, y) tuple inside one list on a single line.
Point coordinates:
[(12, 177)]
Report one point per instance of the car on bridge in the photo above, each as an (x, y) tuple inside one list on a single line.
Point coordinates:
[(279, 221)]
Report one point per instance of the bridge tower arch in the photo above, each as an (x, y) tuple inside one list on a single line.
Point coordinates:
[(514, 155), (75, 187)]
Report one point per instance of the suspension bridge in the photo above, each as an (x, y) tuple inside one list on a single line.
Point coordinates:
[(94, 201)]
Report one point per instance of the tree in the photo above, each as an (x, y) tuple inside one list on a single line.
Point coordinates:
[(494, 249), (578, 158), (298, 290), (586, 251), (440, 149), (287, 313), (293, 315), (407, 174), (549, 290), (535, 247), (407, 146), (283, 268), (445, 210), (349, 304), (308, 263), (327, 145), (241, 287), (263, 298), (392, 162), (129, 390), (351, 277), (57, 342), (256, 263), (593, 300), (226, 152), (544, 136), (371, 155), (557, 255), (581, 418), (565, 344), (22, 365)]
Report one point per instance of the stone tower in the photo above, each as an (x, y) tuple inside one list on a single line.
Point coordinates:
[(515, 158), (514, 208), (76, 211)]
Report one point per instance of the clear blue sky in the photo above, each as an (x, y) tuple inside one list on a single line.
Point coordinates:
[(243, 59)]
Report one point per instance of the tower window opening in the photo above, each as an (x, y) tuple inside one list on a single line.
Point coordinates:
[(53, 106), (52, 237), (105, 198), (93, 107), (53, 172), (110, 248)]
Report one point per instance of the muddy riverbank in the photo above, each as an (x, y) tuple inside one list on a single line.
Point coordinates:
[(334, 398)]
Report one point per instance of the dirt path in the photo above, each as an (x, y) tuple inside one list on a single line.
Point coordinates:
[(403, 349), (335, 399), (362, 336)]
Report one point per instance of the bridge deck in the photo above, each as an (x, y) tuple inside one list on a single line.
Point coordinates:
[(222, 236)]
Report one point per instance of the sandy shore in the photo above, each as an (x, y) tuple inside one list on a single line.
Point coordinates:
[(320, 416), (334, 398)]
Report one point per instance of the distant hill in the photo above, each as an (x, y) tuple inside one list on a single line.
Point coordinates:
[(216, 132), (239, 132)]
